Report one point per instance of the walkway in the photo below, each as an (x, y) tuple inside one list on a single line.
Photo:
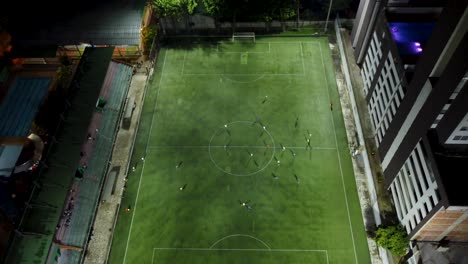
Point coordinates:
[(372, 197), (101, 238)]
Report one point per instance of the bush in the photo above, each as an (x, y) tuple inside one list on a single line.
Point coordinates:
[(64, 76), (148, 33), (393, 238)]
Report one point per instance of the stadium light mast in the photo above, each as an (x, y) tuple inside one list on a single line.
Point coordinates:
[(328, 15)]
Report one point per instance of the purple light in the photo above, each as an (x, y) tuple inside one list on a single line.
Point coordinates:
[(418, 49), (417, 44)]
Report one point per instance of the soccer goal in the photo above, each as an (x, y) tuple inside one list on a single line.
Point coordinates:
[(243, 36)]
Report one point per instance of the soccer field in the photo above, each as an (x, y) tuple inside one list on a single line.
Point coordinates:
[(246, 160)]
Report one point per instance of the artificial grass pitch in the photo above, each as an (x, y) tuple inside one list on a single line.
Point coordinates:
[(245, 162)]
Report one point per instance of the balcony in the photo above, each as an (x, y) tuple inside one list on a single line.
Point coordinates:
[(410, 38)]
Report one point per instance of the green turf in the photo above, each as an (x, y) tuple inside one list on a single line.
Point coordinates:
[(197, 89)]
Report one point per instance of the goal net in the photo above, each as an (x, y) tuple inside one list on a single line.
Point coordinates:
[(243, 36)]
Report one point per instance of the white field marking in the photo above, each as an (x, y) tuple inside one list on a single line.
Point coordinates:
[(217, 50), (252, 74), (183, 63), (239, 74), (224, 36), (240, 235), (243, 249), (339, 159), (244, 146), (235, 174), (254, 80), (146, 150), (243, 51), (284, 42), (152, 258), (302, 58)]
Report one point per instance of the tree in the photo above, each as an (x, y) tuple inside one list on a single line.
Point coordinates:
[(297, 3), (215, 9), (393, 238), (225, 10), (336, 6), (64, 76), (286, 11), (250, 10), (148, 33), (188, 7), (5, 39), (175, 9), (167, 8)]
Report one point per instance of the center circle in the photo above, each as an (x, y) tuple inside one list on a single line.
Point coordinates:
[(242, 148)]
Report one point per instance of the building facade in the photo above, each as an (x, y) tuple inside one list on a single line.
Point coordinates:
[(414, 66)]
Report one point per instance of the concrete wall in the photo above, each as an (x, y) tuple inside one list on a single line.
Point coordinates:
[(199, 24)]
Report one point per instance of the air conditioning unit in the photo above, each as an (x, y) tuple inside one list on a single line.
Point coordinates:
[(444, 248)]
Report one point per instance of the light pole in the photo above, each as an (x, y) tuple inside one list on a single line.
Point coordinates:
[(328, 15)]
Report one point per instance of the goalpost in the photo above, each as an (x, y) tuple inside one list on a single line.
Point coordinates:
[(243, 36)]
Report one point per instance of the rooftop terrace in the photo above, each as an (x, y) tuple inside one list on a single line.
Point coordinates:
[(21, 104)]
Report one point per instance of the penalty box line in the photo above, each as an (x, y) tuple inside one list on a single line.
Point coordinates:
[(242, 249), (237, 74), (264, 52)]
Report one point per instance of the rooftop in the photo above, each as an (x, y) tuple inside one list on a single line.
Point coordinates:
[(63, 157), (106, 23), (19, 108)]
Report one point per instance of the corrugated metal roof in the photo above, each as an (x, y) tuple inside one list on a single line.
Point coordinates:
[(8, 157), (21, 104), (66, 153), (99, 27)]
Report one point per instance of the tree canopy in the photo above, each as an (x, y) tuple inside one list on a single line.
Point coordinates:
[(393, 238), (251, 10), (174, 8), (5, 40)]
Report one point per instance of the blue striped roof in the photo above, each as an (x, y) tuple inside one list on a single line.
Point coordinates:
[(21, 104)]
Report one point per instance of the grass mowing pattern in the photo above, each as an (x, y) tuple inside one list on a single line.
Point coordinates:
[(282, 84)]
